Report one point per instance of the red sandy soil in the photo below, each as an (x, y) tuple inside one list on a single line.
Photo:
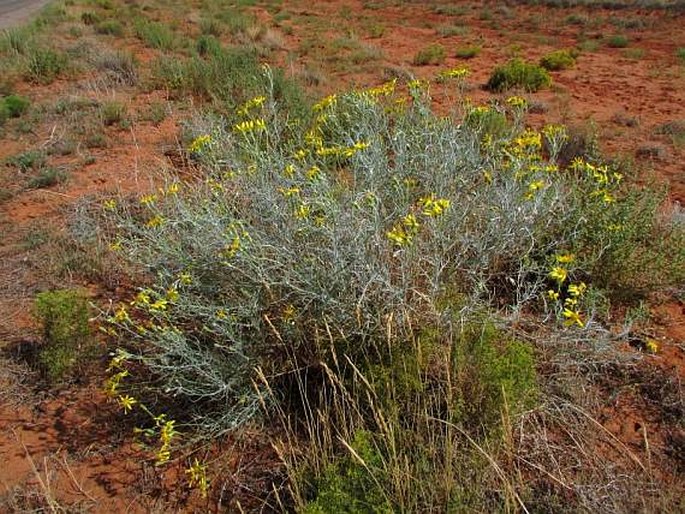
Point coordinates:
[(71, 443)]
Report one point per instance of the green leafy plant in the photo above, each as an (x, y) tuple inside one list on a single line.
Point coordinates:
[(63, 315), (518, 73)]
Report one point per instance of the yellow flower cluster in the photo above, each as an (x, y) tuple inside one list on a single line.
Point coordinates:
[(254, 103), (517, 102), (244, 127), (403, 233), (199, 143), (386, 89), (197, 477), (602, 177), (433, 207), (455, 73), (574, 292), (325, 103)]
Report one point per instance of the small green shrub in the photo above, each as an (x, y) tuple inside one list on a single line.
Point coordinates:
[(211, 27), (432, 54), (680, 54), (63, 315), (110, 27), (29, 160), (47, 177), (349, 486), (617, 41), (112, 112), (558, 60), (16, 105), (467, 52), (208, 44), (519, 73), (90, 18)]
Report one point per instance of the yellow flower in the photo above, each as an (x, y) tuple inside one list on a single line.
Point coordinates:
[(110, 204), (148, 199), (221, 314), (651, 345), (172, 294), (325, 103), (313, 173), (185, 278), (199, 143), (553, 295), (289, 171), (121, 315), (257, 101), (115, 246), (155, 221), (126, 402), (197, 477), (383, 90), (302, 211), (434, 207), (160, 305), (577, 290), (173, 189), (565, 258), (572, 318), (455, 73), (517, 101), (559, 274), (250, 126)]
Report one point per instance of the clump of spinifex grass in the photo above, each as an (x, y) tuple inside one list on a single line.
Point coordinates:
[(351, 271)]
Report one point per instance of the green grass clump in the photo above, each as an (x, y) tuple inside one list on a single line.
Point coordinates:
[(45, 65), (617, 41), (15, 105), (467, 52), (155, 34), (47, 177), (110, 27), (63, 316), (558, 60), (112, 112), (680, 54), (432, 54), (518, 73)]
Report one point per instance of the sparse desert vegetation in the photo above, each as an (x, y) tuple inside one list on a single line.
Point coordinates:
[(255, 261)]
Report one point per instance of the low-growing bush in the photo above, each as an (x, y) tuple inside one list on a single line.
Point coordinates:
[(558, 60), (432, 54), (617, 41), (63, 315), (518, 73), (352, 274)]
